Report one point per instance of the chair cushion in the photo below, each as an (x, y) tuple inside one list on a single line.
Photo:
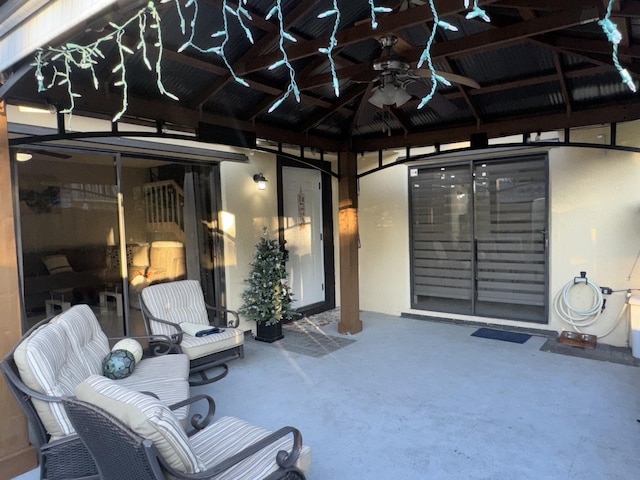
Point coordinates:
[(88, 341), (175, 302), (47, 365), (166, 376), (233, 435), (197, 347), (146, 416)]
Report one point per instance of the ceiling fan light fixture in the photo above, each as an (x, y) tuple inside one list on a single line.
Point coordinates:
[(389, 94), (401, 97)]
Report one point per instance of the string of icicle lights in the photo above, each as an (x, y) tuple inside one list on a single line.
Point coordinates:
[(60, 63)]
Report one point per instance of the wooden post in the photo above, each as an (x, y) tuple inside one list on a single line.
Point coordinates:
[(348, 230), (16, 455)]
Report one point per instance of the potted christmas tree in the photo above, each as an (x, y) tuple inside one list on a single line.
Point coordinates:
[(267, 296)]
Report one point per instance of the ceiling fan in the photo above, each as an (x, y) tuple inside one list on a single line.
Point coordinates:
[(396, 81)]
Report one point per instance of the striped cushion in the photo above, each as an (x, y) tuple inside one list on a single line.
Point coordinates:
[(146, 416), (88, 341), (196, 347), (168, 391), (175, 302), (229, 435), (167, 367), (46, 365)]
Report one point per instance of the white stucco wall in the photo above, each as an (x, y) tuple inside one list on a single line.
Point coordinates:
[(594, 208), (595, 227), (384, 241), (246, 211)]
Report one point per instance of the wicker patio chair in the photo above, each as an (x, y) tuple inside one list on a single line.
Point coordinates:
[(168, 307), (132, 436)]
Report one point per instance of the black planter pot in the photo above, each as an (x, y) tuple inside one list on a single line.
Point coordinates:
[(269, 333)]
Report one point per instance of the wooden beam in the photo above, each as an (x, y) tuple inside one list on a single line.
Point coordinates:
[(563, 83), (343, 100), (507, 126), (594, 46), (401, 118), (16, 455), (348, 232)]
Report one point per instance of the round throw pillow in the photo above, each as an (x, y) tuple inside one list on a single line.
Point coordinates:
[(118, 364), (131, 345)]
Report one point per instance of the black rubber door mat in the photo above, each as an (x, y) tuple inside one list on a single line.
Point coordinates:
[(494, 334)]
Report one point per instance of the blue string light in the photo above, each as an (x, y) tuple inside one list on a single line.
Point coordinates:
[(72, 56), (374, 10), (426, 56), (328, 51), (615, 37), (240, 13), (284, 35), (476, 11), (180, 14), (85, 57)]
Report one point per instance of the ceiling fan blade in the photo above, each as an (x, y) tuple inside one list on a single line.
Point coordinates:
[(452, 77), (443, 107), (438, 103), (417, 88)]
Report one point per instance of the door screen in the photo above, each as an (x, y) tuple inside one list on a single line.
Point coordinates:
[(479, 237)]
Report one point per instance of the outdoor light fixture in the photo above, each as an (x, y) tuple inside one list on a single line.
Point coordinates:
[(23, 156), (260, 180)]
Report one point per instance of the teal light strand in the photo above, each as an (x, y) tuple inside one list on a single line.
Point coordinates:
[(374, 10), (476, 11), (85, 57), (426, 56), (328, 51), (615, 37), (239, 12), (284, 35)]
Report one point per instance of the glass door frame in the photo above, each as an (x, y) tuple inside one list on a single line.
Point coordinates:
[(472, 163)]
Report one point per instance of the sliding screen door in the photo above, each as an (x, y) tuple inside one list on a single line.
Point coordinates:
[(479, 237), (510, 239), (441, 238)]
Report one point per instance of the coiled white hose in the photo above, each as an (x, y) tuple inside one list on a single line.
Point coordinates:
[(573, 316)]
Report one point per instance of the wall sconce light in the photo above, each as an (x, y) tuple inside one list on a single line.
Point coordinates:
[(23, 156), (260, 180)]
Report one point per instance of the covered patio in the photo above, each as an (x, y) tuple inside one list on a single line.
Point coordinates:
[(410, 398), (402, 396)]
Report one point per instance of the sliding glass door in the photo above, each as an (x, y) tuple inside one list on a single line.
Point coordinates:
[(479, 238), (441, 238), (96, 228)]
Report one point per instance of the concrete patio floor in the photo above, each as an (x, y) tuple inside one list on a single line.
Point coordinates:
[(415, 399)]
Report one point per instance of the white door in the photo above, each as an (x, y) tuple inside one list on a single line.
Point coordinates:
[(302, 202)]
